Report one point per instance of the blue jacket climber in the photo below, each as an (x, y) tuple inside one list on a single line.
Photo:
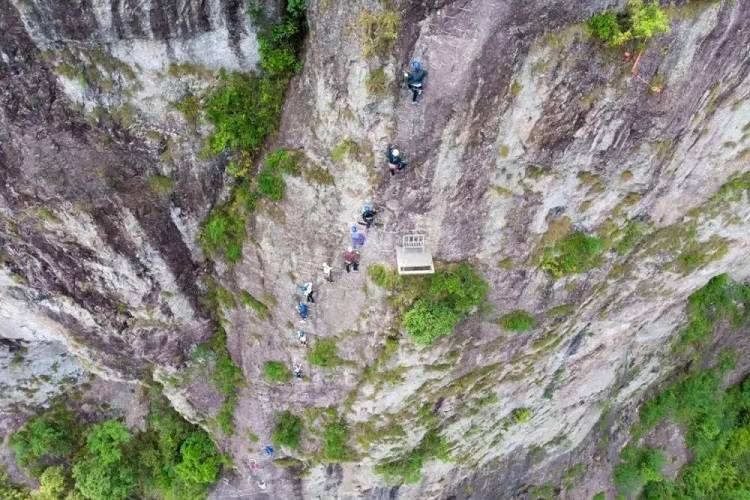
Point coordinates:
[(302, 310), (358, 239), (415, 79)]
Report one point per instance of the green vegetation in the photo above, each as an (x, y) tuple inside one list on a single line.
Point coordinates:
[(244, 110), (408, 468), (720, 300), (576, 253), (270, 179), (515, 88), (639, 466), (276, 371), (161, 184), (103, 470), (287, 430), (347, 147), (225, 374), (9, 491), (638, 23), (256, 305), (325, 354), (318, 175), (45, 440), (520, 416), (377, 83), (169, 459), (714, 418), (427, 321), (379, 32), (517, 321), (335, 436), (433, 305)]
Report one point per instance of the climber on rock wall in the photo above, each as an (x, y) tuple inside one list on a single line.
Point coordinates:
[(351, 260), (302, 310), (307, 290), (415, 80), (358, 239), (302, 337), (368, 216), (395, 162)]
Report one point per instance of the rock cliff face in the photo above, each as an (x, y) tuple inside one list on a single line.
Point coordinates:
[(527, 130)]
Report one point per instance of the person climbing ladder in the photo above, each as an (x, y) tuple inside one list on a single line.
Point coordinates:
[(415, 80)]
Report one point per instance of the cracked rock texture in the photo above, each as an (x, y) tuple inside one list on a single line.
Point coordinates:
[(527, 128)]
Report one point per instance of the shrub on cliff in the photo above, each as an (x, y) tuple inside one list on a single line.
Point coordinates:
[(287, 430), (576, 253), (45, 439), (517, 321), (639, 22), (432, 305), (276, 371)]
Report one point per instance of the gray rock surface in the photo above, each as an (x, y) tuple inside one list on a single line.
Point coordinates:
[(526, 126)]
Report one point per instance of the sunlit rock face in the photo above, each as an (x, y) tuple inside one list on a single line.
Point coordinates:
[(528, 130)]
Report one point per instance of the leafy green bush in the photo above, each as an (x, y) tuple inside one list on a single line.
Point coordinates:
[(575, 253), (720, 299), (200, 462), (276, 371), (170, 459), (427, 321), (45, 439), (9, 491), (639, 22), (325, 354), (224, 230), (379, 31), (432, 306), (638, 467), (53, 484), (335, 436), (408, 469), (287, 430), (383, 276), (256, 305), (102, 470), (517, 321), (271, 184), (377, 83)]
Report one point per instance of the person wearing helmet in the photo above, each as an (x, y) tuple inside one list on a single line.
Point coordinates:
[(395, 162), (351, 260), (368, 216), (358, 239), (415, 80), (307, 290), (302, 338)]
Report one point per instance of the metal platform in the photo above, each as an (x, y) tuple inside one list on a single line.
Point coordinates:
[(413, 257)]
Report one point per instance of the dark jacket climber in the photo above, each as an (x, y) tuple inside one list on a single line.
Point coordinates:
[(368, 215), (351, 259), (415, 80), (394, 160)]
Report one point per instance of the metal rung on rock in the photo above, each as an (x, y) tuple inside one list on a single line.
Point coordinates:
[(413, 257)]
